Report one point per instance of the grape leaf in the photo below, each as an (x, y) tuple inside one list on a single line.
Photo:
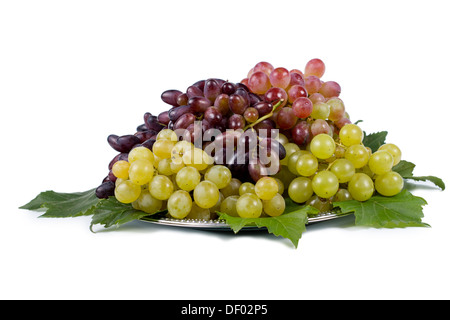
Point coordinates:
[(399, 211), (290, 224), (374, 140), (405, 169), (109, 212), (64, 205)]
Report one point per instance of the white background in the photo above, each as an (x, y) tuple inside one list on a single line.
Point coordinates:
[(73, 72)]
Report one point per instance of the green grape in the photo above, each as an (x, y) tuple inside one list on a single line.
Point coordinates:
[(266, 188), (249, 206), (228, 206), (275, 206), (358, 155), (163, 148), (285, 176), (175, 167), (246, 187), (164, 167), (321, 204), (167, 134), (361, 187), (293, 158), (343, 169), (290, 149), (147, 203), (127, 192), (342, 195), (161, 187), (280, 185), (381, 162), (232, 189), (141, 153), (321, 110), (322, 146), (216, 207), (393, 150), (188, 178), (179, 204), (337, 109), (325, 184), (141, 171), (179, 149), (307, 165), (198, 213), (206, 194), (350, 134), (219, 175), (389, 184), (300, 189), (120, 169), (197, 158)]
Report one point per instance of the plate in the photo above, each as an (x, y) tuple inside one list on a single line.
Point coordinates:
[(221, 225)]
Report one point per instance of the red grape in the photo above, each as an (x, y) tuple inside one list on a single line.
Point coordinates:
[(296, 92), (274, 94), (259, 82), (280, 78), (286, 118), (302, 107), (312, 84), (315, 67), (263, 66), (330, 89)]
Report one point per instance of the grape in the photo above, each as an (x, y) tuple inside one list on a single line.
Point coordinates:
[(381, 162), (194, 91), (297, 91), (198, 213), (141, 171), (197, 158), (320, 126), (395, 151), (161, 187), (182, 99), (199, 104), (263, 108), (300, 189), (188, 178), (228, 206), (176, 167), (275, 206), (266, 188), (389, 184), (236, 122), (351, 134), (247, 187), (213, 116), (237, 104), (171, 96), (330, 89), (317, 97), (127, 192), (228, 88), (322, 146), (361, 187), (337, 109), (164, 167), (286, 118), (342, 195), (257, 170), (184, 121), (296, 79), (163, 134), (147, 203), (163, 118), (219, 175), (343, 169), (325, 184), (321, 204), (232, 189), (292, 162), (163, 148), (321, 110), (342, 122), (263, 66), (301, 133), (312, 84), (249, 206), (206, 194), (280, 78), (123, 143), (151, 122), (221, 103), (275, 94), (259, 82), (211, 90), (306, 165), (120, 169), (251, 114), (290, 149), (105, 190), (176, 113), (358, 155), (315, 67), (179, 204)]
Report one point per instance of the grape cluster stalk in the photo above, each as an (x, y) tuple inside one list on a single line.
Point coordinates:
[(244, 148)]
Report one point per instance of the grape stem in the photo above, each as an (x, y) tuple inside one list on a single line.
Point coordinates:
[(267, 116)]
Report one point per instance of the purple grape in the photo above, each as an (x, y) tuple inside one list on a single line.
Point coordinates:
[(237, 104), (301, 133), (213, 116), (175, 113), (211, 90), (163, 118), (228, 88), (194, 91), (236, 121), (105, 190), (184, 121), (199, 104), (171, 96), (123, 143)]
